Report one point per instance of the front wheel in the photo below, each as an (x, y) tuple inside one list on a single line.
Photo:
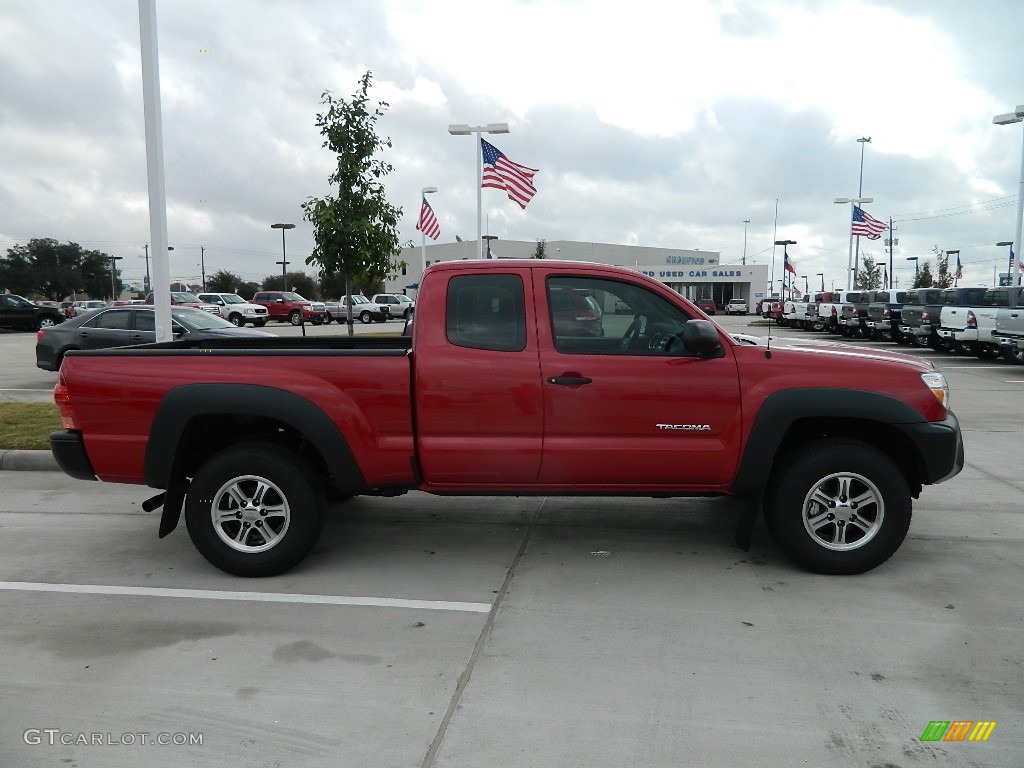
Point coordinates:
[(254, 510), (838, 506), (365, 317), (237, 320), (45, 322), (295, 318)]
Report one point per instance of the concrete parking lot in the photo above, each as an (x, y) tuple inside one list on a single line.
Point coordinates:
[(532, 632)]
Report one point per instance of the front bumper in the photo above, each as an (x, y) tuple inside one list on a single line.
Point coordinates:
[(940, 447)]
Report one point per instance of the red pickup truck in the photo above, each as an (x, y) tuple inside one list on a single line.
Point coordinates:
[(499, 392)]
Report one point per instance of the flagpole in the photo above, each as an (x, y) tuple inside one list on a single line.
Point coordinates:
[(467, 130)]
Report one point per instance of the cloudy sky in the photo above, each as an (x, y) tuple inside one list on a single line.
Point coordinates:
[(652, 123)]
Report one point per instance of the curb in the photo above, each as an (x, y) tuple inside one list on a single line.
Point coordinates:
[(37, 461)]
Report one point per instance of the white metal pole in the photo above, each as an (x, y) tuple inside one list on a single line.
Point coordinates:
[(479, 194), (1015, 279), (155, 169)]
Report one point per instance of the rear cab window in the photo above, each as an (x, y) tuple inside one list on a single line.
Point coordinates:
[(487, 312)]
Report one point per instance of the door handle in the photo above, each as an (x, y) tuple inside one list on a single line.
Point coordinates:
[(569, 381)]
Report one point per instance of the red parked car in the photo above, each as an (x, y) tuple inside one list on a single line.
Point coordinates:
[(290, 307), (707, 306)]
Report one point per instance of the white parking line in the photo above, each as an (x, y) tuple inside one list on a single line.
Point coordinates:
[(260, 597)]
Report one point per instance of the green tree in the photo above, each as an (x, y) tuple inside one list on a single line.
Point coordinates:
[(223, 281), (53, 270), (924, 278), (300, 282), (943, 278), (869, 278), (355, 234)]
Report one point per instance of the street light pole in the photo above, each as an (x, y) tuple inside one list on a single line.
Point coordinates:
[(202, 266), (284, 257), (1008, 119), (785, 261), (113, 274), (148, 285), (745, 222), (807, 289), (1009, 264), (822, 276), (850, 263), (423, 232), (948, 254), (917, 270), (465, 130)]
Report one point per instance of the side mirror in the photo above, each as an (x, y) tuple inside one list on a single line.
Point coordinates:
[(701, 338)]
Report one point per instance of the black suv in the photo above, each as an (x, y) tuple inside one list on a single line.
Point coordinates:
[(19, 312)]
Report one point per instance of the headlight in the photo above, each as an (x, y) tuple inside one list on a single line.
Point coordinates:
[(936, 382)]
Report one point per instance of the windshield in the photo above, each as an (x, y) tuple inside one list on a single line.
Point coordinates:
[(292, 296), (232, 298)]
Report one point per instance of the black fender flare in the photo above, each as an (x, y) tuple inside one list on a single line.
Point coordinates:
[(783, 409), (162, 463)]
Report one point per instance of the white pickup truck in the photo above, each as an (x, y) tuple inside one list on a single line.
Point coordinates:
[(1009, 333), (971, 329), (829, 307), (736, 307), (795, 312)]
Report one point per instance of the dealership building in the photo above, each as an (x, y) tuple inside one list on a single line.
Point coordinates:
[(693, 274)]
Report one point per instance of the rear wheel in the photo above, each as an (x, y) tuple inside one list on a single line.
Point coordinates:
[(923, 341), (259, 323), (838, 506), (254, 510), (45, 322), (986, 351), (1013, 355)]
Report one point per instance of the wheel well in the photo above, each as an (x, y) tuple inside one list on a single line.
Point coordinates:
[(206, 435), (884, 437)]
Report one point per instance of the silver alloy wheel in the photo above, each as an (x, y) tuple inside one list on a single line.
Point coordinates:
[(46, 322), (250, 514), (843, 511)]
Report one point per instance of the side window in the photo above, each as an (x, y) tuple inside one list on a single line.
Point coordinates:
[(487, 312), (593, 316), (145, 321), (116, 319)]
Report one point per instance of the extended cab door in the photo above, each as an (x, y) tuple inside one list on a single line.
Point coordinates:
[(625, 404), (477, 389)]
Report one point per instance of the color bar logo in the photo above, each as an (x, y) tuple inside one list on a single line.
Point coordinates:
[(958, 730)]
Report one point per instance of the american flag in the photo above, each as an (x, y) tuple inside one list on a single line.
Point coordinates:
[(959, 269), (502, 173), (428, 221), (866, 225)]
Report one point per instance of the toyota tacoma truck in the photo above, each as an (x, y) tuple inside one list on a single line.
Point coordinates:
[(496, 393)]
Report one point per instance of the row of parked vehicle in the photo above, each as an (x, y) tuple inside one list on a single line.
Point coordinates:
[(972, 321)]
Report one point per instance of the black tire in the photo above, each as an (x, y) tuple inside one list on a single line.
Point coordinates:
[(46, 321), (236, 320), (365, 317), (1013, 355), (259, 323), (923, 341), (987, 351), (295, 317), (237, 542), (329, 319), (816, 479)]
